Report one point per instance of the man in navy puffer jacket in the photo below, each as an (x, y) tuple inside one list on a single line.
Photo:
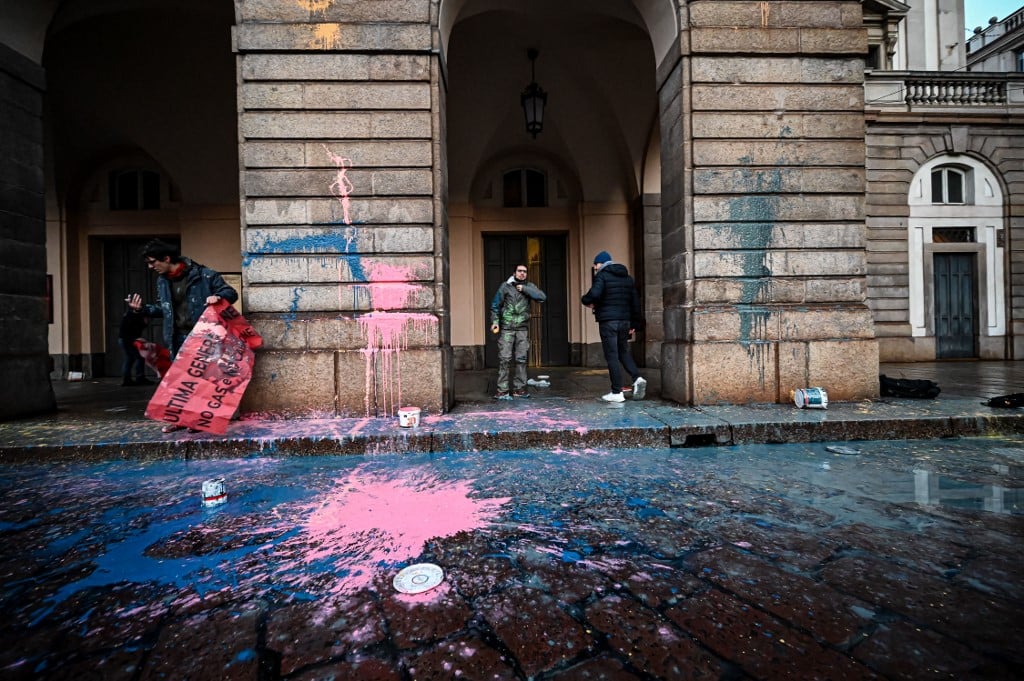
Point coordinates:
[(616, 306)]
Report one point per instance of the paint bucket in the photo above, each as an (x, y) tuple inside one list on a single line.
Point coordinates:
[(214, 492), (76, 375), (810, 398), (409, 417)]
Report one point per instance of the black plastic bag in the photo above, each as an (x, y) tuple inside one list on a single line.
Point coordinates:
[(1011, 401), (918, 388)]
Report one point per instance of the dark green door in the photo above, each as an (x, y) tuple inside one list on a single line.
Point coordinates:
[(546, 258), (956, 326), (125, 272)]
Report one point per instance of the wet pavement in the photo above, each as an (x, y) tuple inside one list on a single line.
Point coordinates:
[(578, 540), (100, 420), (888, 559)]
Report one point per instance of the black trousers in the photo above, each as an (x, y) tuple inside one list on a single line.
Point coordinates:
[(615, 343)]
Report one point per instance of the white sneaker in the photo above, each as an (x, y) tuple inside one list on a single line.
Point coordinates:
[(613, 397), (639, 388)]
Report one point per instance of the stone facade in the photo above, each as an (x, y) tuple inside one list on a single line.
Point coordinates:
[(343, 215), (763, 205), (24, 363), (898, 147)]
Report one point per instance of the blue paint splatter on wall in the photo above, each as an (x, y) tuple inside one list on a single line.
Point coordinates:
[(752, 220)]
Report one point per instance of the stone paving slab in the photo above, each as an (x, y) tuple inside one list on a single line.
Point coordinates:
[(119, 430), (746, 562)]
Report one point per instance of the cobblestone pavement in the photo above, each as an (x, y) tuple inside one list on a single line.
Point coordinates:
[(880, 559)]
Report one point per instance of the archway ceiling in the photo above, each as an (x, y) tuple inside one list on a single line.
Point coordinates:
[(598, 69), (155, 78)]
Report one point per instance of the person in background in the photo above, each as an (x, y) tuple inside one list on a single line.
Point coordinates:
[(616, 305), (184, 288), (132, 325), (510, 319)]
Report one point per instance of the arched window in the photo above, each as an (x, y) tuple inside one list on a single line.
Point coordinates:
[(950, 185), (524, 187), (132, 189)]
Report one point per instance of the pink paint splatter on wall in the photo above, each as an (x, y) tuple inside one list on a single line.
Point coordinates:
[(342, 186), (387, 334), (388, 285)]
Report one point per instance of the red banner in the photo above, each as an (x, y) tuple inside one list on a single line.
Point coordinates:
[(205, 383), (154, 355)]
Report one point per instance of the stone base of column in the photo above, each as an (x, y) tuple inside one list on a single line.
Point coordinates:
[(350, 383), (30, 377), (727, 371)]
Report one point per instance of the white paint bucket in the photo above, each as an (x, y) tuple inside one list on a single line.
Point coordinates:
[(214, 492), (810, 398), (409, 417)]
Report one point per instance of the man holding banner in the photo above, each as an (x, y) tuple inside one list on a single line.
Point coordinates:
[(184, 290)]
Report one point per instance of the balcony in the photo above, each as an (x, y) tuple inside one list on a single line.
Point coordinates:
[(953, 92)]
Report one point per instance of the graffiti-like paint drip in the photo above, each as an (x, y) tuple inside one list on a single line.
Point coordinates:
[(315, 6), (387, 334), (753, 219), (326, 37), (342, 186)]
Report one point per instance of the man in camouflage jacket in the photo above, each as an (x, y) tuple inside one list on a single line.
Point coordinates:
[(510, 318)]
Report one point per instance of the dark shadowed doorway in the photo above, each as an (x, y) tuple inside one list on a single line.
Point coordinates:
[(545, 255)]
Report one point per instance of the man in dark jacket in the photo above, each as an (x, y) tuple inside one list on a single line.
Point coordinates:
[(616, 306), (510, 317), (184, 289)]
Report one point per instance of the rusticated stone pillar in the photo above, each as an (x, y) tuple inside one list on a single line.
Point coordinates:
[(343, 216), (24, 359), (765, 291)]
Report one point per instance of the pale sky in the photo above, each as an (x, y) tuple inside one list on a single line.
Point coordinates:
[(978, 12)]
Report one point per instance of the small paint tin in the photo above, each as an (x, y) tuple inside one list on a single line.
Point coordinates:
[(409, 417), (76, 375), (214, 492), (418, 578), (810, 398)]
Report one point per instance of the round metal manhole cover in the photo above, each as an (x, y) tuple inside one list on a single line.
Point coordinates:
[(418, 578)]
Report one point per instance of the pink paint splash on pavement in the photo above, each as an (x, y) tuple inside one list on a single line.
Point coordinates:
[(342, 186), (368, 522)]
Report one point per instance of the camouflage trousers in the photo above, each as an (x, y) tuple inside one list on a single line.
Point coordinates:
[(513, 347)]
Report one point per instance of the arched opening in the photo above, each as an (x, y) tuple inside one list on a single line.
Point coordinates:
[(956, 246), (597, 63), (142, 132)]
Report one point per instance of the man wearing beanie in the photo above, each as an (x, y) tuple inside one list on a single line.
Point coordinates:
[(616, 306)]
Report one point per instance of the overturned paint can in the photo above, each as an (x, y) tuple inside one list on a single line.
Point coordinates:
[(810, 398), (214, 492), (409, 417)]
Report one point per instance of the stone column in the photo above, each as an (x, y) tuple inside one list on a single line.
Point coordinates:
[(766, 289), (344, 247), (24, 357)]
